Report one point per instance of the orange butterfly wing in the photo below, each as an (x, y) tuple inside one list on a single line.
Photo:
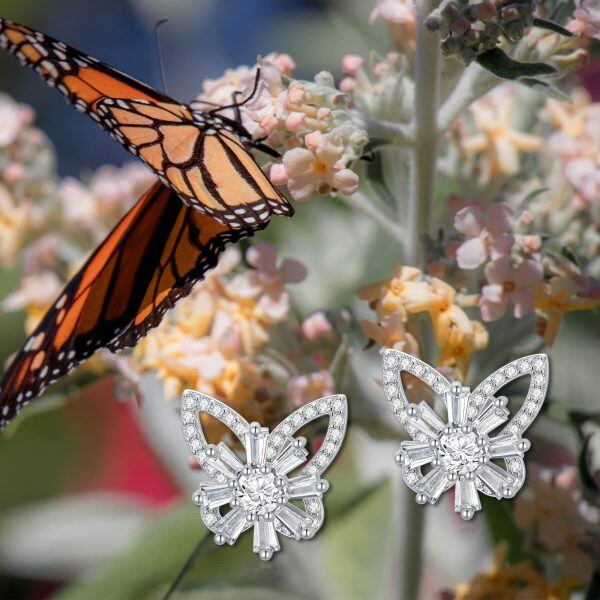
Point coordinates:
[(149, 261), (194, 153)]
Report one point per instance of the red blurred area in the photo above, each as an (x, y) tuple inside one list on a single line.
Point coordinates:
[(122, 459)]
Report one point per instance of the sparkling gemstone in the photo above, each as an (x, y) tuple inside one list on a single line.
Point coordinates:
[(204, 404), (388, 376), (477, 399), (511, 372), (396, 405), (190, 431), (459, 451), (537, 394), (187, 417), (405, 363), (287, 429), (487, 388), (392, 390), (411, 477), (418, 369), (259, 492), (309, 412), (277, 440)]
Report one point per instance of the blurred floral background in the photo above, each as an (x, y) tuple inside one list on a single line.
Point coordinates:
[(447, 204)]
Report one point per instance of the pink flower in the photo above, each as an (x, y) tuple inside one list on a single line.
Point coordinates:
[(34, 291), (316, 326), (531, 243), (393, 11), (507, 285), (316, 168), (305, 388), (352, 64), (586, 19), (584, 174), (14, 117), (266, 282), (491, 236)]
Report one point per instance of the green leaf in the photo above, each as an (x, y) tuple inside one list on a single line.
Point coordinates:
[(549, 90), (502, 526), (574, 362), (551, 26), (501, 65), (358, 536), (532, 196), (151, 563)]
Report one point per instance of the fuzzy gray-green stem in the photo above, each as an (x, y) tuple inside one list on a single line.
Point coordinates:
[(424, 152), (420, 206)]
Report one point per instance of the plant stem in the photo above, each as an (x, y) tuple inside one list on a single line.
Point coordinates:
[(423, 159), (395, 133), (474, 82), (361, 202), (420, 205)]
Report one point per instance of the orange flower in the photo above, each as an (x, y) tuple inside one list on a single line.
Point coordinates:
[(555, 298)]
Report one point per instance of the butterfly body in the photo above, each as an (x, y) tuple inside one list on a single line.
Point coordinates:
[(210, 192)]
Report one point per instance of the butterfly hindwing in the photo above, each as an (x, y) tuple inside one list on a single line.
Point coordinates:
[(196, 154), (150, 260)]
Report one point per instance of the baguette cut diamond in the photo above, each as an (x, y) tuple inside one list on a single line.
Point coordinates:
[(462, 451)]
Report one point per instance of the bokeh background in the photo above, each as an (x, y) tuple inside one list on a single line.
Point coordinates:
[(89, 507)]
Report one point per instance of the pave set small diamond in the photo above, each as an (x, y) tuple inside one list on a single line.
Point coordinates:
[(260, 491), (460, 450)]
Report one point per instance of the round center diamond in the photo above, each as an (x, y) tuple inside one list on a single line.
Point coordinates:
[(459, 451), (259, 492)]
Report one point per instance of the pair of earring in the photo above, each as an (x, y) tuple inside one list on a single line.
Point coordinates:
[(458, 451)]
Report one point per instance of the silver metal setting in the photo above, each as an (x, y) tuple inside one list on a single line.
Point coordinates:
[(460, 450), (258, 487)]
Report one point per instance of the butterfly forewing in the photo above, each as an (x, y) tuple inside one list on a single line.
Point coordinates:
[(195, 154), (150, 260)]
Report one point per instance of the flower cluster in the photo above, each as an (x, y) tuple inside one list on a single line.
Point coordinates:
[(520, 580), (308, 122), (222, 339), (470, 28), (379, 88), (561, 523), (398, 301), (517, 243), (27, 178)]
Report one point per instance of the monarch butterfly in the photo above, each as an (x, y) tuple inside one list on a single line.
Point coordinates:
[(210, 192)]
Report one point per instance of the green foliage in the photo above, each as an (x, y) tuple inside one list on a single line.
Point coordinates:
[(501, 65)]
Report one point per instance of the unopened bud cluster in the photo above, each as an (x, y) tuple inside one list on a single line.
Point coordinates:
[(470, 28)]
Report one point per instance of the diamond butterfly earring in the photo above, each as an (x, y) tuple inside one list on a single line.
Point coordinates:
[(257, 487), (461, 450)]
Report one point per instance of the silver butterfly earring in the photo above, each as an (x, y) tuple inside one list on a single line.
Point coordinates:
[(257, 488), (460, 450)]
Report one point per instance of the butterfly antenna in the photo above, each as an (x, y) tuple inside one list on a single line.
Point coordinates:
[(236, 104), (161, 61)]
